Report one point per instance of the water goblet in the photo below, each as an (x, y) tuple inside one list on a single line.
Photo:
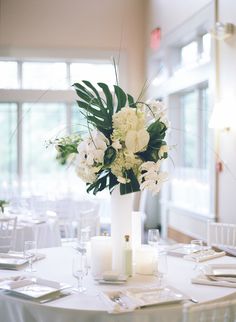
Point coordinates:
[(197, 247), (161, 269), (80, 270), (29, 253), (153, 237)]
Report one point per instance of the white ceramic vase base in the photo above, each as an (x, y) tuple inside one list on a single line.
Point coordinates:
[(121, 225)]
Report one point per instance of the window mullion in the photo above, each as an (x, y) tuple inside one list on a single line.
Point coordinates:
[(19, 144)]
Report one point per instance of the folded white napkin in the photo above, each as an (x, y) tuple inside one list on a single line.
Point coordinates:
[(203, 279), (133, 298), (118, 302), (204, 255)]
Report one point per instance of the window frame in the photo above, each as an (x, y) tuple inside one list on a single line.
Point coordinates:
[(19, 96)]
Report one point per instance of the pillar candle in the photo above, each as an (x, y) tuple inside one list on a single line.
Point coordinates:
[(101, 256), (145, 259)]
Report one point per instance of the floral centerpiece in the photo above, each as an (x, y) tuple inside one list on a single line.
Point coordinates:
[(124, 147), (125, 142)]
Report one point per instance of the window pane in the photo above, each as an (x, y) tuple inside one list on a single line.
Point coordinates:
[(78, 121), (190, 128), (205, 111), (41, 123), (8, 146), (8, 74), (44, 75), (206, 45), (189, 53), (93, 72)]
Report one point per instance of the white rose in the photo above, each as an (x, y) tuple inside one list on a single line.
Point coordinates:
[(136, 140)]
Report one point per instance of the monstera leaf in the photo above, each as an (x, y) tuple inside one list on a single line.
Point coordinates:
[(98, 109)]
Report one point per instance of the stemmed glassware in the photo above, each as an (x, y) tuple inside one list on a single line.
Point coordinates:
[(162, 269), (153, 237), (80, 270), (197, 247), (30, 251)]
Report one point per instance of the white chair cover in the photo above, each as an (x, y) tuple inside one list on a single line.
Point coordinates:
[(7, 233)]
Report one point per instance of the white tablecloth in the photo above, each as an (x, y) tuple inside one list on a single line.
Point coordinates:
[(46, 232), (90, 306)]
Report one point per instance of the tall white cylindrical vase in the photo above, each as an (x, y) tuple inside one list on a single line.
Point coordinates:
[(121, 225)]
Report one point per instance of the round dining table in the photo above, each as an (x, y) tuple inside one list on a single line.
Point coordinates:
[(90, 305)]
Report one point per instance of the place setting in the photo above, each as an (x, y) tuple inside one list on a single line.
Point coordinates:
[(33, 288), (220, 274)]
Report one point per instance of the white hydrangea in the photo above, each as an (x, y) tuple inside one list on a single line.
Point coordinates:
[(151, 177), (125, 160), (129, 129), (90, 155), (86, 173), (128, 119)]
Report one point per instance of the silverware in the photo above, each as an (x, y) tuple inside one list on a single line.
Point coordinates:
[(117, 299), (193, 300)]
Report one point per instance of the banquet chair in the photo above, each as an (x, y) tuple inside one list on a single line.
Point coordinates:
[(7, 233), (221, 234), (65, 213), (88, 220)]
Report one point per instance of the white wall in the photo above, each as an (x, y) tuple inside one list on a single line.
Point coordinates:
[(227, 178), (168, 15), (76, 27), (171, 13)]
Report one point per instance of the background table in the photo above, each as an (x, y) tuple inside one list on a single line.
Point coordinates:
[(90, 307), (45, 232)]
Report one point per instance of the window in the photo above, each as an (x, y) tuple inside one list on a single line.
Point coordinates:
[(190, 129), (192, 173), (44, 75), (8, 146), (189, 54), (195, 53), (30, 119), (195, 119), (8, 74)]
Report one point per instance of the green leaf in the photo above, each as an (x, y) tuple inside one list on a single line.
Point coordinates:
[(112, 181), (108, 95), (99, 185), (83, 93), (87, 83), (121, 97), (132, 186), (131, 101), (96, 111), (98, 122), (99, 113), (109, 155)]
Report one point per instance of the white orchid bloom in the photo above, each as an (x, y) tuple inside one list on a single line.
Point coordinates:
[(163, 149)]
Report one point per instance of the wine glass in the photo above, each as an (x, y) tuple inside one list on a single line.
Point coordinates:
[(153, 237), (162, 269), (197, 247), (29, 253), (79, 270), (83, 240)]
